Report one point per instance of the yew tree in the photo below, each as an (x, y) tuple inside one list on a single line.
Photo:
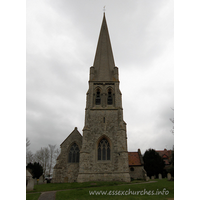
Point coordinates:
[(36, 169), (153, 163)]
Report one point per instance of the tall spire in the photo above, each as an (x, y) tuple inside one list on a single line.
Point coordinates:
[(104, 65)]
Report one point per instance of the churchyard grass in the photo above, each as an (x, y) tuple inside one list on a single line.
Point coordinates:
[(81, 191), (65, 186), (159, 185), (32, 196)]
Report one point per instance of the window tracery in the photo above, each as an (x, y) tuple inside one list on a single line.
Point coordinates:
[(74, 154), (103, 150)]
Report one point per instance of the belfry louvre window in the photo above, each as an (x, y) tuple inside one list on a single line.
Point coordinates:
[(98, 97), (74, 154), (104, 150), (110, 99)]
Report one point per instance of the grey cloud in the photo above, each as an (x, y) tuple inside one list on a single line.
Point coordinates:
[(61, 44)]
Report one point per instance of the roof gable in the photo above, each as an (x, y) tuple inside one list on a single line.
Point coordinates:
[(165, 156), (165, 153), (74, 134)]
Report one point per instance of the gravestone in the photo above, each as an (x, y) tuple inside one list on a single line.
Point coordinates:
[(35, 181), (147, 178), (30, 184), (169, 176), (41, 180), (159, 176), (29, 181), (152, 177)]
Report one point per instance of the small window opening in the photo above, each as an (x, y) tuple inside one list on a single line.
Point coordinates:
[(98, 97), (132, 169), (104, 120), (110, 100)]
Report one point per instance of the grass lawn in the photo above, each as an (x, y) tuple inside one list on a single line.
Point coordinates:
[(32, 196), (83, 193), (118, 190), (65, 186)]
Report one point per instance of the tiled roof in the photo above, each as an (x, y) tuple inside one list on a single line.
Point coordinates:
[(134, 158), (165, 154)]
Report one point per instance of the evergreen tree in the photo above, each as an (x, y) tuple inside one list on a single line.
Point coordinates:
[(153, 163), (36, 169)]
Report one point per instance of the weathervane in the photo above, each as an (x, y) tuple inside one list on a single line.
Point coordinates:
[(104, 9)]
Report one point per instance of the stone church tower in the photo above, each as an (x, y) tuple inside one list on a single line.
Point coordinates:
[(104, 156), (101, 153)]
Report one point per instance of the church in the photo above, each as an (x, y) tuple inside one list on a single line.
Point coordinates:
[(100, 153)]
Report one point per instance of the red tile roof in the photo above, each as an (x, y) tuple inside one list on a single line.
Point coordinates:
[(133, 158), (165, 154)]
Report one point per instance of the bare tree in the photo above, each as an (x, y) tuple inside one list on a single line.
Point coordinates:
[(56, 154), (42, 156), (172, 120), (29, 155), (27, 143), (51, 155), (47, 158)]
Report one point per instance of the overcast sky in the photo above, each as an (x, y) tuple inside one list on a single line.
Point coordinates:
[(61, 43)]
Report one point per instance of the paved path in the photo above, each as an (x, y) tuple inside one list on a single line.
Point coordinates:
[(48, 196)]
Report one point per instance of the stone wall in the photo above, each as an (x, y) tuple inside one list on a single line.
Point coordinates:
[(63, 170), (85, 177), (68, 173), (115, 169), (138, 173)]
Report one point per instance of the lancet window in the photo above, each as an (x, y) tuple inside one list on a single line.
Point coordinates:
[(74, 154), (110, 98), (98, 97), (103, 150)]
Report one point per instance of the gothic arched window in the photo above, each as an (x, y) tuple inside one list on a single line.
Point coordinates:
[(110, 99), (103, 150), (74, 154), (98, 97)]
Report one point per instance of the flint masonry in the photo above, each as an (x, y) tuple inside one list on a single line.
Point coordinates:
[(101, 153)]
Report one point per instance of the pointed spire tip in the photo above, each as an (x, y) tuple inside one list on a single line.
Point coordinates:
[(104, 10)]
